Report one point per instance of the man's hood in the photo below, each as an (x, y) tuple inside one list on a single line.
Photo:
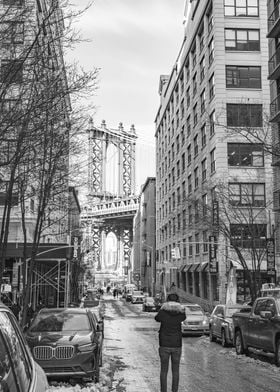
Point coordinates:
[(172, 307)]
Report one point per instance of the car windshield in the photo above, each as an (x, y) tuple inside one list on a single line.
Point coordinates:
[(193, 309), (231, 311), (137, 293), (60, 321)]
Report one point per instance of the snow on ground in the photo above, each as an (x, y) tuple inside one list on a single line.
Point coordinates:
[(104, 384)]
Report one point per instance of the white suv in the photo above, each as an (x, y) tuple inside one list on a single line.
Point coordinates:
[(137, 297)]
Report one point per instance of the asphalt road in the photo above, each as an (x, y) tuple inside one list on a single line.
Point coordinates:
[(131, 345)]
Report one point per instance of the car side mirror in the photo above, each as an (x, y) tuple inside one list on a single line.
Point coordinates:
[(267, 314)]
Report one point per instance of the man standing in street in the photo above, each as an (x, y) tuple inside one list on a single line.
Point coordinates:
[(170, 315)]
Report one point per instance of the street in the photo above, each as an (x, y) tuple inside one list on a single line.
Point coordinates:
[(131, 361)]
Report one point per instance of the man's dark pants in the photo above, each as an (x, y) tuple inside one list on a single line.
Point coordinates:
[(165, 353)]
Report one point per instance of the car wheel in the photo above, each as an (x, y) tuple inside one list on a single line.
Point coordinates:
[(223, 338), (239, 345), (212, 338), (277, 353)]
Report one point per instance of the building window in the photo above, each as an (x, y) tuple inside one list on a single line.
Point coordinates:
[(12, 32), (247, 194), (244, 115), (190, 246), (189, 154), (189, 125), (204, 205), (184, 219), (190, 214), (212, 123), (195, 177), (197, 247), (189, 184), (202, 102), (178, 169), (212, 161), (11, 71), (184, 191), (195, 118), (211, 87), (195, 145), (203, 170), (211, 51), (7, 151), (196, 211), (242, 39), (248, 235), (173, 176), (241, 8), (202, 69), (179, 221), (178, 143), (205, 241), (245, 154), (203, 136), (243, 77)]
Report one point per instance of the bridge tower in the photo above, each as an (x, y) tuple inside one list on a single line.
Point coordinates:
[(111, 207)]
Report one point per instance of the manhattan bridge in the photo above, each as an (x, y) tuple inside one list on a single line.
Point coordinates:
[(107, 220)]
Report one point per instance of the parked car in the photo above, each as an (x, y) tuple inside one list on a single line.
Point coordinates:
[(67, 343), (137, 297), (196, 322), (221, 324), (259, 329), (18, 370), (149, 305)]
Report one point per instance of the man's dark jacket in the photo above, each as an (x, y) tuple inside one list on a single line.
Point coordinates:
[(170, 315)]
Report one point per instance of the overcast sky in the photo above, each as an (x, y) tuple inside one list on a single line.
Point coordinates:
[(133, 42)]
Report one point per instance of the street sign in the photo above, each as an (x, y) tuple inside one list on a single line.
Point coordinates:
[(213, 264), (270, 252), (175, 253)]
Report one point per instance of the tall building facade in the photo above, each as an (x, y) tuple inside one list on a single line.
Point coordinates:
[(34, 143), (144, 246), (273, 34), (214, 199)]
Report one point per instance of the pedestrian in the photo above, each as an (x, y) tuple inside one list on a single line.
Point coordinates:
[(29, 315), (16, 309), (170, 315), (114, 293)]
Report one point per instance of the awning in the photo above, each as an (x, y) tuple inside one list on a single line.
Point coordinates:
[(45, 251), (181, 269), (187, 267), (194, 267), (202, 267)]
